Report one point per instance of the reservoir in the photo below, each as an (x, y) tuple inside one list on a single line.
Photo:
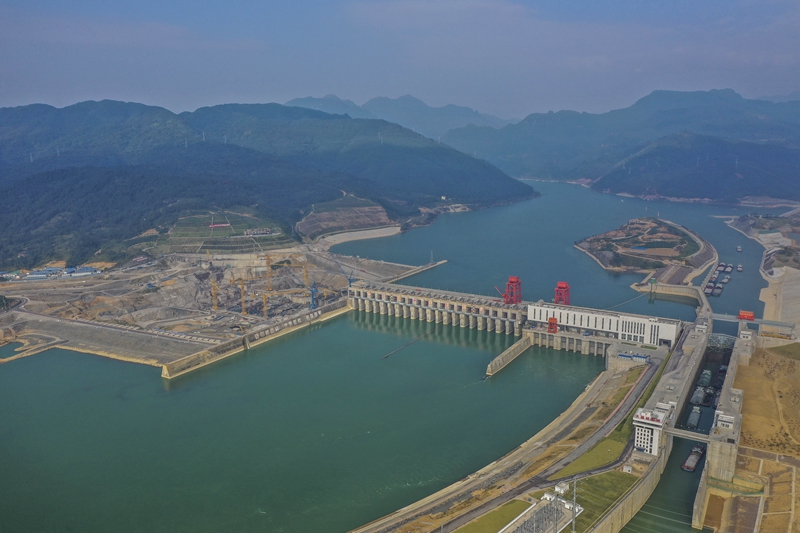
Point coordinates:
[(316, 431)]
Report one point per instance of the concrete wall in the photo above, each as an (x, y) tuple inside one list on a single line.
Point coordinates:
[(625, 509), (234, 346), (499, 362)]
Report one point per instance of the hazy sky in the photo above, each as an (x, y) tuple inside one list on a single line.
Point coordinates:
[(504, 57)]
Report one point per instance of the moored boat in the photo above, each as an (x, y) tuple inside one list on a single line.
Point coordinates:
[(729, 268), (690, 465), (708, 397), (738, 248), (717, 291), (705, 378), (726, 279), (721, 267), (739, 268), (694, 418), (697, 397)]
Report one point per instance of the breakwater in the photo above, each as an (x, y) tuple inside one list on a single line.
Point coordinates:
[(258, 336)]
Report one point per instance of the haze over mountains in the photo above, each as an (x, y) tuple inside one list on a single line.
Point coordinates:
[(92, 175), (407, 111), (80, 177), (568, 145)]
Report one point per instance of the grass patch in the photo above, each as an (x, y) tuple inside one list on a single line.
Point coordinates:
[(623, 431), (634, 375), (792, 351), (496, 520), (604, 452), (597, 493), (646, 347)]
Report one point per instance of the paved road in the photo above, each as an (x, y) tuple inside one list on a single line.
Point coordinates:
[(540, 481)]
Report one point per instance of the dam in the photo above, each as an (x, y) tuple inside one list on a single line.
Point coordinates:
[(560, 326)]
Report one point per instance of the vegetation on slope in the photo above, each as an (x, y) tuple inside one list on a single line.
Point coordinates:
[(572, 146), (82, 178)]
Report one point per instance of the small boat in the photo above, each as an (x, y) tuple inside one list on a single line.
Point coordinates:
[(714, 276), (694, 418), (729, 268), (705, 379), (738, 248), (717, 291), (739, 268), (726, 279), (697, 397), (709, 289), (708, 397), (721, 267), (719, 379), (690, 465)]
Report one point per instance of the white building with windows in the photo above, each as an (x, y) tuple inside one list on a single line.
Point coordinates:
[(648, 425), (655, 331)]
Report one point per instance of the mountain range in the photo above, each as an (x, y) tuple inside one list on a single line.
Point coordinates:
[(76, 179), (568, 145), (410, 112)]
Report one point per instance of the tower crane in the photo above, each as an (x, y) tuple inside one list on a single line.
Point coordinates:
[(214, 291), (241, 288)]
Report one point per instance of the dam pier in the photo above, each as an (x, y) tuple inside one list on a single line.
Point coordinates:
[(559, 326)]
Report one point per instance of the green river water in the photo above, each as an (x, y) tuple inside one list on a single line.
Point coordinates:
[(316, 431)]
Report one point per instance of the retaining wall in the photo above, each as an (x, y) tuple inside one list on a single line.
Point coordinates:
[(499, 362), (630, 504), (239, 344)]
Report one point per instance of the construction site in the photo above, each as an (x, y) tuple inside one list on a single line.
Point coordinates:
[(158, 310)]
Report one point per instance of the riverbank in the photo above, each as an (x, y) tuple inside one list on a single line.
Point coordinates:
[(574, 431), (338, 238)]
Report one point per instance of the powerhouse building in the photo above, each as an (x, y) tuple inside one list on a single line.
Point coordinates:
[(642, 329)]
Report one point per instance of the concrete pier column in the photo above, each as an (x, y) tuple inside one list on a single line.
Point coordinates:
[(398, 309), (360, 304), (489, 324), (472, 321), (413, 313), (382, 307), (498, 325), (518, 329), (462, 319), (351, 302), (438, 316), (429, 314), (481, 323), (406, 311), (509, 325), (445, 317)]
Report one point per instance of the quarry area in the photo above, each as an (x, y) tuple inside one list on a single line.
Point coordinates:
[(157, 310)]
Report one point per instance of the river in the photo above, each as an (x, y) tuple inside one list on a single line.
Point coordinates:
[(316, 431)]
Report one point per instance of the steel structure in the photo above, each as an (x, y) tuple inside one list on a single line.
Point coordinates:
[(562, 293)]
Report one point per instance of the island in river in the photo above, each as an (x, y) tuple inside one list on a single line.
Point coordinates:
[(647, 245)]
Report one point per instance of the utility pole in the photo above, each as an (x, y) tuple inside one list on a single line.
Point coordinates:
[(574, 502)]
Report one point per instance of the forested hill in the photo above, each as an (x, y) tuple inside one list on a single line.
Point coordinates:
[(276, 159), (569, 145), (407, 111), (688, 165)]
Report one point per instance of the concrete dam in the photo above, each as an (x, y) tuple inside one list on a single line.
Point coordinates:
[(554, 325)]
